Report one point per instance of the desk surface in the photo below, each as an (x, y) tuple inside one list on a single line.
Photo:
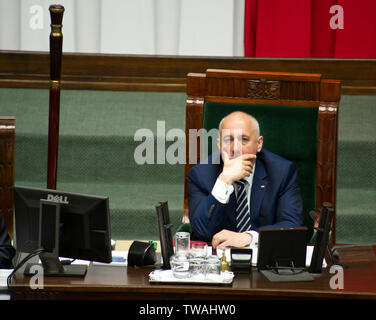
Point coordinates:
[(110, 282)]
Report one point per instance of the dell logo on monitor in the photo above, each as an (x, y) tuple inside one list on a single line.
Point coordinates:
[(57, 198)]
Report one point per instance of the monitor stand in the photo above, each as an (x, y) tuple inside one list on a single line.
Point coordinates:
[(52, 266), (279, 273), (49, 230)]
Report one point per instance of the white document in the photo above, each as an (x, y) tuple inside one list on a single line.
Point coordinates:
[(309, 257), (4, 273), (119, 258)]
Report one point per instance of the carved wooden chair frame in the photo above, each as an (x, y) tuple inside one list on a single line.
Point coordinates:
[(7, 139), (234, 86)]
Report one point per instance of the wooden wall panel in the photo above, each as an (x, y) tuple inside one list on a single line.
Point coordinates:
[(22, 69), (7, 138)]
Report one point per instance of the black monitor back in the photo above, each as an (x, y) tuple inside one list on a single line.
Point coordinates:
[(84, 231), (282, 247)]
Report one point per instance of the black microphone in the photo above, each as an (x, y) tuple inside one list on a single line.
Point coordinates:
[(313, 215), (322, 239)]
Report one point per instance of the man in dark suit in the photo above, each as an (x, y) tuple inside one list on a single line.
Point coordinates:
[(6, 249), (243, 188)]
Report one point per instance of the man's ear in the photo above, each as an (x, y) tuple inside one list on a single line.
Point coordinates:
[(260, 141)]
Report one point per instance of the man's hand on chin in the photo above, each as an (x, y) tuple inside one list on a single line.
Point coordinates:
[(226, 238), (236, 168)]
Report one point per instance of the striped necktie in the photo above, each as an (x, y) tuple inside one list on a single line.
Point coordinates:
[(243, 218)]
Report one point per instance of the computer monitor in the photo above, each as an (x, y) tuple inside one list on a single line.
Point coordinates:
[(165, 235), (282, 247), (63, 224)]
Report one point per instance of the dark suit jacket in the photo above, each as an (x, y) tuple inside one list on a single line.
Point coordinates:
[(6, 250), (275, 196)]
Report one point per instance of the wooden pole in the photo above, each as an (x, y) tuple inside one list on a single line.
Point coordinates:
[(56, 44)]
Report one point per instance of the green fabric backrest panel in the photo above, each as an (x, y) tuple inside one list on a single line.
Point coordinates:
[(289, 131)]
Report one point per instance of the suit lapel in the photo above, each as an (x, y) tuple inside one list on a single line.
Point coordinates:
[(259, 187)]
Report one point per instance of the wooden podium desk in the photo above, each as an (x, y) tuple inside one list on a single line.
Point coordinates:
[(113, 282)]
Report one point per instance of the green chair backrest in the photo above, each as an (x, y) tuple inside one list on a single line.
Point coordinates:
[(289, 131)]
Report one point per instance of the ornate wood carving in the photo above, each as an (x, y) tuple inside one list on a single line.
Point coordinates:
[(263, 89)]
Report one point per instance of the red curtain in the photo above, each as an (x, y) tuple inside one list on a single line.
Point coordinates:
[(301, 28)]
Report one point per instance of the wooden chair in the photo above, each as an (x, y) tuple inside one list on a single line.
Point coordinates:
[(7, 138), (298, 119)]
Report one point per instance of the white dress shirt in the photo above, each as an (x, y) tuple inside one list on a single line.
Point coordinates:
[(222, 192)]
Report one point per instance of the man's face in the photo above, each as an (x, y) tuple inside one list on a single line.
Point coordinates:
[(238, 136)]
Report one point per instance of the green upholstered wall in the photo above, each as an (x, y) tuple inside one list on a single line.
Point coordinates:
[(96, 151), (97, 146), (356, 173)]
